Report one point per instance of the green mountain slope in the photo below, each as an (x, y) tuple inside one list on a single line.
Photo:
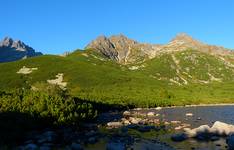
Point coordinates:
[(176, 78)]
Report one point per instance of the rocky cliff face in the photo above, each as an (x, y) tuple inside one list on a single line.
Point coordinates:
[(125, 51), (11, 50), (122, 49)]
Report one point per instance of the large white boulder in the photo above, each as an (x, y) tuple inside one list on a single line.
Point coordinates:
[(221, 128), (203, 129)]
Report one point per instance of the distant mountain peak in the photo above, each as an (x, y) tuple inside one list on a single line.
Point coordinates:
[(11, 50), (122, 39), (6, 41), (17, 44), (183, 35), (117, 47), (119, 36), (185, 38)]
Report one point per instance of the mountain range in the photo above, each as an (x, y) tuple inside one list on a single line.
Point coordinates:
[(11, 50), (118, 70), (125, 50)]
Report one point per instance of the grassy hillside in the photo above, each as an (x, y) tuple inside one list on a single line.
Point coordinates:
[(179, 78)]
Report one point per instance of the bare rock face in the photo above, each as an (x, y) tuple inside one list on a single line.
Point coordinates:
[(122, 49), (125, 51), (183, 42), (11, 50)]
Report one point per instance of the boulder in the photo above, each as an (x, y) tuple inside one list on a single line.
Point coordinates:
[(205, 132), (166, 123), (114, 124), (189, 114), (158, 108), (222, 129), (200, 131), (156, 121), (134, 120), (126, 122), (150, 114), (178, 128), (126, 113)]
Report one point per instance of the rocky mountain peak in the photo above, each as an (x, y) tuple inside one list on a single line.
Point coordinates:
[(184, 38), (7, 41), (17, 44), (11, 50), (117, 47), (122, 40)]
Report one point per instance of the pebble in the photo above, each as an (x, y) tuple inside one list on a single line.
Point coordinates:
[(175, 122), (126, 113), (189, 114), (150, 114), (158, 108)]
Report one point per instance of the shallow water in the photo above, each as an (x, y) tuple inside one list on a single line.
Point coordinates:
[(201, 115), (207, 114)]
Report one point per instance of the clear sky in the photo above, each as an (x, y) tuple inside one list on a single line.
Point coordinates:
[(55, 26)]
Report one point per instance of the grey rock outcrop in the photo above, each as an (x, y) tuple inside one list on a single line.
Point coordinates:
[(11, 50), (122, 49)]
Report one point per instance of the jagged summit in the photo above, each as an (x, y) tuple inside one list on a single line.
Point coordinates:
[(6, 41), (11, 50), (116, 47), (124, 50), (17, 44), (183, 37)]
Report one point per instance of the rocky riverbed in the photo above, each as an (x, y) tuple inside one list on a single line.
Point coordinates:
[(143, 129)]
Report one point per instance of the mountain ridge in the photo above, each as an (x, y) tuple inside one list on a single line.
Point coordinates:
[(126, 51), (12, 50)]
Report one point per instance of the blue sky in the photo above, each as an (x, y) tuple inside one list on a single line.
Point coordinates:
[(55, 26)]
